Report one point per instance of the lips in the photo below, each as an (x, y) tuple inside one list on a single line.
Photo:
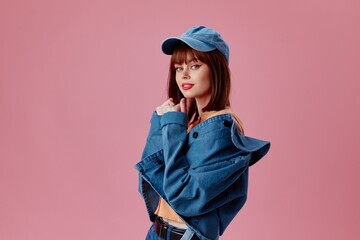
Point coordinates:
[(186, 86)]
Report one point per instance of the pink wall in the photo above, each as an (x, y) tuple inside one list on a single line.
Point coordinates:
[(79, 80)]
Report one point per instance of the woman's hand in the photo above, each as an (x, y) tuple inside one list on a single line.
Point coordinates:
[(169, 106)]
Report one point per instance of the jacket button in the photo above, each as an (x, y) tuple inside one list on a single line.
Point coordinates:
[(195, 134), (227, 123), (159, 161)]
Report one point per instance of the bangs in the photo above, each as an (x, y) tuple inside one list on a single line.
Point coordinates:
[(183, 54)]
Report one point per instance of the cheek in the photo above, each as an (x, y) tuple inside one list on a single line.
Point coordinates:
[(178, 82), (207, 89), (205, 82)]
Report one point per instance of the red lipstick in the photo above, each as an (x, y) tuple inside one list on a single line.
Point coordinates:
[(186, 86)]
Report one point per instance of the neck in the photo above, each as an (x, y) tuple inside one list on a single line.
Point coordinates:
[(200, 104)]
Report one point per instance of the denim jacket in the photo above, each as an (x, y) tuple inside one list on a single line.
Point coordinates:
[(202, 175)]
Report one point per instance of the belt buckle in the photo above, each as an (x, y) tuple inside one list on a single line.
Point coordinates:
[(163, 231), (162, 228)]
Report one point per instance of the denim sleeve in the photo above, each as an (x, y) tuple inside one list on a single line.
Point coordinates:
[(201, 188), (154, 138), (256, 148)]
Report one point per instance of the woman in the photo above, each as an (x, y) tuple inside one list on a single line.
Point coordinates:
[(193, 174)]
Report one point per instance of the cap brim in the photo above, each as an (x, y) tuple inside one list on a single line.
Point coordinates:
[(168, 46)]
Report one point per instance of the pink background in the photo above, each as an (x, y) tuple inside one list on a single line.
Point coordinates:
[(79, 80)]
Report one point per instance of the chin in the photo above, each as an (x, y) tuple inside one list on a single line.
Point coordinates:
[(188, 96)]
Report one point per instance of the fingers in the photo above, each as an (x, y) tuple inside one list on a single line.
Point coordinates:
[(169, 105), (161, 110), (177, 107), (169, 102), (183, 105)]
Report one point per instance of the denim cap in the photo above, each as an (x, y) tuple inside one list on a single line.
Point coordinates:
[(200, 38)]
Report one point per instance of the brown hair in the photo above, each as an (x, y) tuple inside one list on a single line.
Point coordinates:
[(219, 77)]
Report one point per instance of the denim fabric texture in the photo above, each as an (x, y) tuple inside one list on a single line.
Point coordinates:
[(151, 235), (200, 38), (202, 175)]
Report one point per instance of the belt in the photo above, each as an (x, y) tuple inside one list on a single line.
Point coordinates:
[(161, 229)]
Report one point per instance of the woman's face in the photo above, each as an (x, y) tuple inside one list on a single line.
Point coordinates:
[(193, 79)]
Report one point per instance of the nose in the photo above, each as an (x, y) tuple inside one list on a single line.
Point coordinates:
[(185, 74)]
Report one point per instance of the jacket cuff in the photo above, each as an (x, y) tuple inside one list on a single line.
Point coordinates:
[(155, 122), (175, 118)]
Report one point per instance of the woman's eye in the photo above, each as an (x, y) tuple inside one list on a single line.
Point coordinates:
[(178, 69), (195, 66)]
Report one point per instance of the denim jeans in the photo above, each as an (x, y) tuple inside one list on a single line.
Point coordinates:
[(153, 236)]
